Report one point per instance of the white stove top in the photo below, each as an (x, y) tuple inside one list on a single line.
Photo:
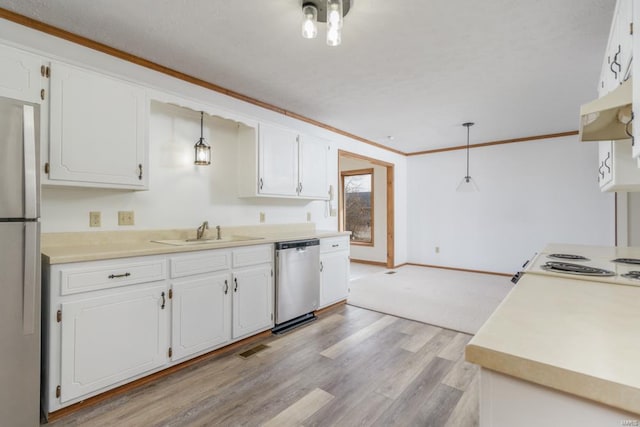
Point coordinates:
[(596, 257)]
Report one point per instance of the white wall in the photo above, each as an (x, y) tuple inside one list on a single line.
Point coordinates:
[(634, 219), (377, 252), (176, 195), (531, 194)]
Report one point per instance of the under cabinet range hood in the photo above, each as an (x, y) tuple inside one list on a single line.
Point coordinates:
[(609, 117)]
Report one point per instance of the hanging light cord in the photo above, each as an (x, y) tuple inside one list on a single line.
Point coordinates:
[(201, 131), (468, 153)]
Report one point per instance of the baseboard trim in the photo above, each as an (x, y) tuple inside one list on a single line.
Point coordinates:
[(364, 261), (61, 413), (321, 311), (460, 269)]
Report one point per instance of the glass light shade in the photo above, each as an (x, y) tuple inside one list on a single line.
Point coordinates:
[(203, 153), (309, 21), (334, 22), (467, 185)]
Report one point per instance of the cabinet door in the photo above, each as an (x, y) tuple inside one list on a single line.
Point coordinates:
[(112, 338), (313, 155), (201, 314), (622, 46), (278, 161), (252, 300), (635, 65), (334, 277), (20, 75), (97, 129)]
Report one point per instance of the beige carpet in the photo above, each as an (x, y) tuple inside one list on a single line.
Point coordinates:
[(450, 299)]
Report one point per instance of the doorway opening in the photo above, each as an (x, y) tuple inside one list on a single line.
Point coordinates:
[(366, 207)]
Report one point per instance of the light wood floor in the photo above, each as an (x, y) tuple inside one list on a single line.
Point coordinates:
[(351, 367)]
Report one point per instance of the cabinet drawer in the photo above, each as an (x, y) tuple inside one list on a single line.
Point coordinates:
[(203, 262), (253, 255), (334, 244), (95, 276)]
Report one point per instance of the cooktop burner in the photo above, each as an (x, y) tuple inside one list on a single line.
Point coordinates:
[(568, 257), (569, 268), (634, 261), (632, 275)]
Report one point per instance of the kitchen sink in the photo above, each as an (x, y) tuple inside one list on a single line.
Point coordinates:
[(209, 241)]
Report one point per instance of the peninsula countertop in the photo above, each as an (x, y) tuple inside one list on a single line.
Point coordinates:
[(60, 248), (575, 336)]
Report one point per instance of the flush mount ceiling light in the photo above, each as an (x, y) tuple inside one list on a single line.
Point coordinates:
[(467, 184), (203, 150), (330, 11)]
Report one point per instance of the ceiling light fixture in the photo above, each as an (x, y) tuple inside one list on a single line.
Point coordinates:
[(467, 184), (330, 11), (203, 150)]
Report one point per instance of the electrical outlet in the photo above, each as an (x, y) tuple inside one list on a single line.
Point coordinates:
[(95, 219), (437, 249), (334, 212), (125, 218), (262, 216), (308, 216)]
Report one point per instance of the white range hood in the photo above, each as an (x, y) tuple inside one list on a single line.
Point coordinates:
[(608, 118)]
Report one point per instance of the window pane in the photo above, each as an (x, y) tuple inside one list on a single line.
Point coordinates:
[(357, 207)]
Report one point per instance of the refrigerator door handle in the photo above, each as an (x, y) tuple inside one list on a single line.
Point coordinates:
[(30, 167), (31, 259)]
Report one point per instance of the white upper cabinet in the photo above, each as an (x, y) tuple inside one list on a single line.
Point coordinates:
[(22, 75), (313, 155), (636, 87), (97, 130), (279, 162), (617, 58)]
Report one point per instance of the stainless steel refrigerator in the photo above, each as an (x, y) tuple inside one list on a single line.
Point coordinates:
[(19, 265)]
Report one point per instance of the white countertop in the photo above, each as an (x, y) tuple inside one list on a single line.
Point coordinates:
[(60, 248), (576, 336)]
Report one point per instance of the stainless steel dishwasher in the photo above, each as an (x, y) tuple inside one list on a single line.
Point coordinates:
[(297, 283)]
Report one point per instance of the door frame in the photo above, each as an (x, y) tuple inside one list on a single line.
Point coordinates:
[(390, 200)]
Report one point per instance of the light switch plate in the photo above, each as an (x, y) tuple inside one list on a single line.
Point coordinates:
[(125, 218), (262, 215)]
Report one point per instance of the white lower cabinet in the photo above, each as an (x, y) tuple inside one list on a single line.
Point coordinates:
[(111, 338), (252, 300), (334, 270), (201, 314), (112, 322)]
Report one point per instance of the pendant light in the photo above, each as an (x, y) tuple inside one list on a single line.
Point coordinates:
[(203, 150), (467, 184)]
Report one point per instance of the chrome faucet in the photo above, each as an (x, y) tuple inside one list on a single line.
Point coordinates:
[(218, 232), (200, 231)]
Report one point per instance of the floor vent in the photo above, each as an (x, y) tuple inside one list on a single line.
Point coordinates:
[(390, 272), (252, 351)]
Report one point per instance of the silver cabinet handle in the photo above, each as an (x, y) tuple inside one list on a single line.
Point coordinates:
[(226, 287), (140, 171), (321, 266), (117, 276), (261, 183), (235, 279), (163, 301), (31, 259), (300, 188), (30, 167)]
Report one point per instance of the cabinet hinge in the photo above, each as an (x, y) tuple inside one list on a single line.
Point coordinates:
[(272, 272), (43, 70), (170, 352), (42, 92), (46, 168), (48, 72), (631, 28), (59, 316), (271, 316), (170, 293), (58, 391)]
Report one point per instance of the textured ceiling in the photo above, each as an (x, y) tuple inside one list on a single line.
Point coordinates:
[(413, 69)]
